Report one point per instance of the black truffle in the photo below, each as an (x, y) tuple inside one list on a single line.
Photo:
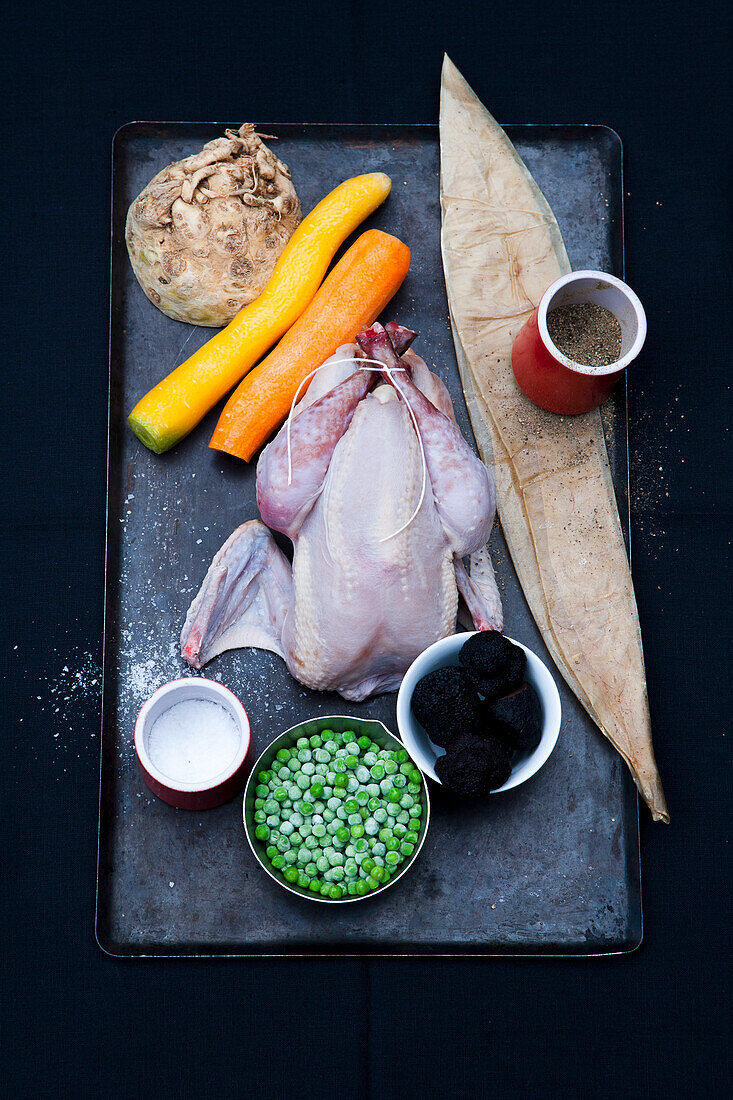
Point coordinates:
[(518, 718), (473, 766), (446, 703), (495, 665)]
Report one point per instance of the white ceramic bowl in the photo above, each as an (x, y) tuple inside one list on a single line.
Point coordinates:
[(444, 653)]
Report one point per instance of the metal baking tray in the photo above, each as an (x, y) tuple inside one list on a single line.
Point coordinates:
[(549, 868)]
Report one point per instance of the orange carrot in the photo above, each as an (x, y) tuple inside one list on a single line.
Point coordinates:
[(350, 299)]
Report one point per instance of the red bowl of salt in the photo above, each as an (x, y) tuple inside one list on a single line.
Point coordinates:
[(191, 740)]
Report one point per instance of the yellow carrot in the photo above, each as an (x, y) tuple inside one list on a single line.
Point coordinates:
[(351, 298), (172, 408)]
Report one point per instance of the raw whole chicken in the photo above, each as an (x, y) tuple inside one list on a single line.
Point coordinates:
[(382, 499)]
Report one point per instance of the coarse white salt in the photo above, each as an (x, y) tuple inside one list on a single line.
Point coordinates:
[(193, 741)]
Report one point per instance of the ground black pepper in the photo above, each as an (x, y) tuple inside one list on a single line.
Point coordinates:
[(586, 333)]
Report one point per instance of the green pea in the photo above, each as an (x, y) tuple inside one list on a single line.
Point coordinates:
[(411, 836), (391, 843), (283, 755), (380, 815), (262, 790), (399, 829), (322, 863), (362, 888), (363, 742), (303, 880), (337, 874), (377, 772), (414, 776), (368, 864), (262, 832), (399, 780), (392, 858), (342, 834), (291, 874), (278, 861), (270, 851), (351, 762), (316, 791), (271, 806), (291, 855), (351, 888), (361, 845), (407, 848), (280, 794), (357, 831), (260, 816), (315, 741), (401, 755), (389, 766), (371, 882), (340, 781), (335, 892), (393, 795), (374, 803), (351, 806), (385, 835), (352, 747), (325, 889), (378, 873)]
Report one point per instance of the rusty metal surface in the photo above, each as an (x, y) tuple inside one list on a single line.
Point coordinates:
[(551, 867)]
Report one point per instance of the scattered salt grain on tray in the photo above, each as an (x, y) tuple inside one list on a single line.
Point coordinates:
[(193, 741)]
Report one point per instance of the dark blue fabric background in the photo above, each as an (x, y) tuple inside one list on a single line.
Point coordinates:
[(76, 1023)]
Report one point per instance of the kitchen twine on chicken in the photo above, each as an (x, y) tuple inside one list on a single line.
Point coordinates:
[(389, 371)]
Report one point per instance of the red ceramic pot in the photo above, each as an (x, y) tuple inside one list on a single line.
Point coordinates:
[(206, 791), (548, 377)]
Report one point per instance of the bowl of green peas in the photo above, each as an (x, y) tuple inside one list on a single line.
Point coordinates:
[(335, 809)]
